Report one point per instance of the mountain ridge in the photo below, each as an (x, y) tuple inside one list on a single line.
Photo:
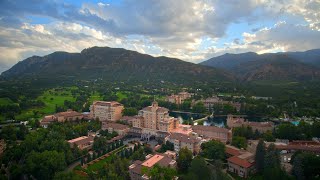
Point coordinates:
[(114, 64), (250, 66)]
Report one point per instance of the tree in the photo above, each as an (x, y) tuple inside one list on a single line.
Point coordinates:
[(259, 158), (243, 131), (213, 150), (167, 146), (130, 111), (64, 176), (272, 167), (89, 158), (199, 108), (297, 169), (306, 166), (239, 142), (287, 131), (184, 159), (99, 143), (199, 169), (138, 155), (272, 157), (82, 161), (268, 136), (44, 165), (158, 172)]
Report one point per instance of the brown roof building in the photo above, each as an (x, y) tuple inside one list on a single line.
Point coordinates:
[(183, 140), (241, 162), (106, 111), (221, 134), (119, 128), (262, 127), (179, 98), (69, 115), (155, 121), (135, 169), (83, 142)]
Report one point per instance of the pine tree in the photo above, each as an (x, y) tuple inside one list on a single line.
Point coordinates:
[(88, 158), (82, 161), (260, 155), (297, 169)]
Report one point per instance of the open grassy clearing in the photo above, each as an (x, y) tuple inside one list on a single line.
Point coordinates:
[(51, 98), (5, 101), (95, 97)]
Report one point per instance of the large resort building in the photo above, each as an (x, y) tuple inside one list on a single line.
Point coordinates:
[(154, 121), (262, 127), (111, 127), (69, 115), (184, 141), (179, 98), (212, 132), (106, 111)]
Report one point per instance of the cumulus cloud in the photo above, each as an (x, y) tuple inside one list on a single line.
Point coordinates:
[(186, 29)]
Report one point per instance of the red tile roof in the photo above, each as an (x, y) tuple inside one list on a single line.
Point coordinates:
[(241, 162), (184, 138), (210, 128), (116, 126), (232, 151)]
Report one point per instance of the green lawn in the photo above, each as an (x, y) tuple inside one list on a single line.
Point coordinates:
[(54, 98), (121, 95), (51, 98), (95, 97), (5, 101)]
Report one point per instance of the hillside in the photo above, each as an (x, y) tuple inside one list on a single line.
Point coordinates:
[(296, 66), (112, 64), (277, 68)]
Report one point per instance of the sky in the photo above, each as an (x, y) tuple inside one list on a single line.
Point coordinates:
[(191, 30)]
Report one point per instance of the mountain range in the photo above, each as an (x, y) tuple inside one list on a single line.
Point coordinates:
[(117, 64), (113, 64), (292, 66)]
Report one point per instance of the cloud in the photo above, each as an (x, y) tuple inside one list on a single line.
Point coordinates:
[(192, 30)]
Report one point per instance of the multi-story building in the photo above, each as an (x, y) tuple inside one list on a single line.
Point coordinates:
[(154, 119), (174, 99), (119, 128), (69, 115), (240, 162), (235, 121), (183, 140), (152, 115), (83, 142), (179, 98), (184, 95), (106, 111), (135, 169), (212, 132), (262, 127), (210, 102)]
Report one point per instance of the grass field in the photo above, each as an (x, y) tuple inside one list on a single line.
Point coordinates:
[(5, 101), (121, 95), (95, 97), (51, 98)]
